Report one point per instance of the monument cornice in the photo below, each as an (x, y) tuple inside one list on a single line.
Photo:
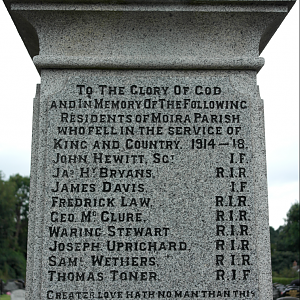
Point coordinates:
[(181, 32), (146, 2), (162, 7)]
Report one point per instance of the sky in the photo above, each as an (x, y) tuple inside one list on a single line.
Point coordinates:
[(279, 88)]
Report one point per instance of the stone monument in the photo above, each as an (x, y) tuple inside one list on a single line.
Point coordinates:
[(18, 295), (148, 176)]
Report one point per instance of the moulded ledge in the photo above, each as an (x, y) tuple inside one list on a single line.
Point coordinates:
[(289, 2), (146, 63), (161, 7), (19, 10)]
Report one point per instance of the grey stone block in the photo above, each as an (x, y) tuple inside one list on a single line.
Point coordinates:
[(18, 295), (148, 165)]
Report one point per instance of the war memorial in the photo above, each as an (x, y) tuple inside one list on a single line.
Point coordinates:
[(148, 172)]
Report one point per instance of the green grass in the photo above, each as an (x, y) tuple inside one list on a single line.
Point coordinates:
[(283, 280), (5, 297)]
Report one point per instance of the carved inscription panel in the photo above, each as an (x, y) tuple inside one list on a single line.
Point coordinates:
[(149, 190)]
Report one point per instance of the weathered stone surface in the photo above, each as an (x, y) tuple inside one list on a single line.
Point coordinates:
[(152, 35), (33, 192), (148, 163), (196, 127), (18, 295)]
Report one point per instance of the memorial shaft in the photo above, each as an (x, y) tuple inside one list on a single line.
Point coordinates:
[(148, 173)]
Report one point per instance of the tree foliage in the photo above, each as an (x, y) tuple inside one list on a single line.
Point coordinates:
[(285, 242), (14, 204)]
